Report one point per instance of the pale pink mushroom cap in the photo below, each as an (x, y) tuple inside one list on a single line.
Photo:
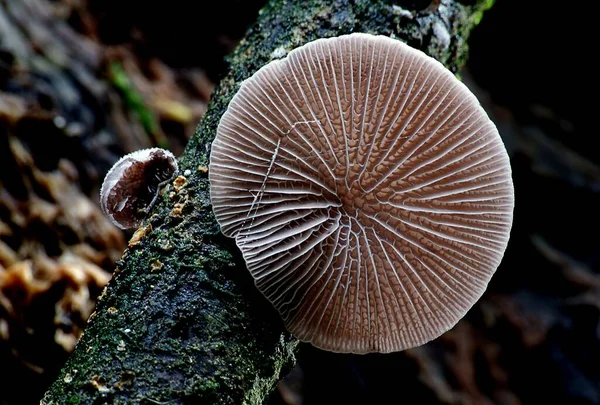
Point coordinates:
[(367, 189)]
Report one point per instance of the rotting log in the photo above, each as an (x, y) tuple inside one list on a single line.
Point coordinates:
[(180, 321)]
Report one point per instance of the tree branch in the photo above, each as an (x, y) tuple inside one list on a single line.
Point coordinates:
[(181, 320)]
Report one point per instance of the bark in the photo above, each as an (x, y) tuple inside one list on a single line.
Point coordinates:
[(180, 321)]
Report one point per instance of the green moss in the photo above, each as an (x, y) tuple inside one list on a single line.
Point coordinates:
[(262, 386), (486, 4), (221, 256), (135, 102), (209, 385), (478, 10)]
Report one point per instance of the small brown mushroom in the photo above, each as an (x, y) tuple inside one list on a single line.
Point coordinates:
[(367, 189), (131, 186)]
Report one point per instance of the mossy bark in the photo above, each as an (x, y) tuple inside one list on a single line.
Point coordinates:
[(180, 322)]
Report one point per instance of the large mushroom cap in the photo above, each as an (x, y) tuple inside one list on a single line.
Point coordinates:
[(367, 189)]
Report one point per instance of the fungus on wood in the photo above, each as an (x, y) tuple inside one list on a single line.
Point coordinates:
[(367, 189), (132, 185), (176, 324)]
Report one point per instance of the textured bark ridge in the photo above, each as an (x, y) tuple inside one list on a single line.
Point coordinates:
[(181, 321)]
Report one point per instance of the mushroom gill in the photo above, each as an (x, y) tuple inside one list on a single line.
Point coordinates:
[(367, 189)]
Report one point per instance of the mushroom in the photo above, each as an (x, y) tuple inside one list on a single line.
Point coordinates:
[(131, 186), (367, 189)]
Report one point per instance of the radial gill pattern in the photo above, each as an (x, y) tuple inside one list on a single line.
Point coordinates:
[(367, 189)]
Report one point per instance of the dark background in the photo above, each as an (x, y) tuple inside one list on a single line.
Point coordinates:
[(534, 336)]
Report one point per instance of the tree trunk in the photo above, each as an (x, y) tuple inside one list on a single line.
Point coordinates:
[(180, 321)]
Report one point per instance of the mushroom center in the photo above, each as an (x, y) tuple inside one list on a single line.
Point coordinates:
[(356, 182)]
